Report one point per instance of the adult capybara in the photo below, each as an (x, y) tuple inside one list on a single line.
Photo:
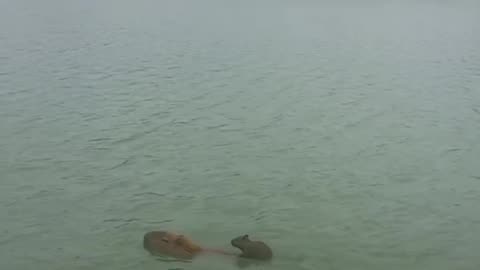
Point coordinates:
[(175, 245), (170, 244)]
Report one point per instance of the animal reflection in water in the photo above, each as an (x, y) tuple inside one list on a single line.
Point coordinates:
[(180, 247)]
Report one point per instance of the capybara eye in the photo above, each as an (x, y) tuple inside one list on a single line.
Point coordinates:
[(165, 240)]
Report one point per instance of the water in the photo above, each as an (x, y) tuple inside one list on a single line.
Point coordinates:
[(345, 135)]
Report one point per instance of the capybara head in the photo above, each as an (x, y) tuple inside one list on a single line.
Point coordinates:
[(187, 244), (252, 249), (169, 243), (240, 241)]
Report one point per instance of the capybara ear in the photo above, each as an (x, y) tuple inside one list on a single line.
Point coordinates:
[(245, 237)]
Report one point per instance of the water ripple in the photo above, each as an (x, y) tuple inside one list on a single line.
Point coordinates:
[(313, 136)]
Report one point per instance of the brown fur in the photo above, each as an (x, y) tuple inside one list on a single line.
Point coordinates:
[(170, 244), (252, 249), (187, 244)]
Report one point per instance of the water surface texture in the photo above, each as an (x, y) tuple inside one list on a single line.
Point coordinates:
[(346, 135)]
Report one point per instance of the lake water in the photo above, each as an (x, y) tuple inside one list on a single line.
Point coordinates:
[(344, 134)]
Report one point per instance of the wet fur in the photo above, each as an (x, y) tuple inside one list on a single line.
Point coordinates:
[(252, 249), (169, 244)]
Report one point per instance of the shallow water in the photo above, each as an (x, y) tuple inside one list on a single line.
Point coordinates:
[(344, 135)]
